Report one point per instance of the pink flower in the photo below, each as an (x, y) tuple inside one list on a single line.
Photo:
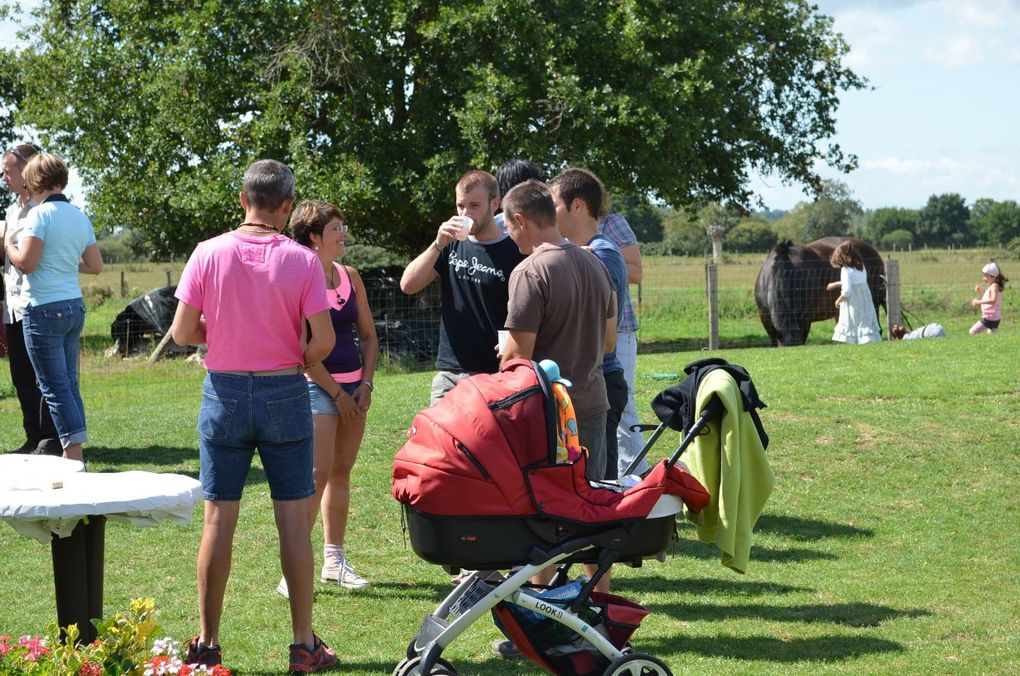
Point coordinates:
[(90, 670), (36, 647)]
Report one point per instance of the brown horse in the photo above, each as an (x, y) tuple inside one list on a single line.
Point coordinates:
[(790, 289)]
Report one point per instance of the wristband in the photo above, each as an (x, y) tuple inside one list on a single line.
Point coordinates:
[(436, 246), (369, 385), (339, 394)]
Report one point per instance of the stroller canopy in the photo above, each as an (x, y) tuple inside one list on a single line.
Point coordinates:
[(488, 448)]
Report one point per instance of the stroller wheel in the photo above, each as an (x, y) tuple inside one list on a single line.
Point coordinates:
[(412, 667), (637, 664)]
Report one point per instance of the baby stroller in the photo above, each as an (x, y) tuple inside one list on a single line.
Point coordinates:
[(482, 490)]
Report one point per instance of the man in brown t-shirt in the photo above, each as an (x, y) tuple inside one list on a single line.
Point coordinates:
[(562, 307)]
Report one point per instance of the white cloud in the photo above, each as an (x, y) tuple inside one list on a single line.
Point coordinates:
[(959, 51), (991, 14), (870, 34), (945, 33), (973, 176)]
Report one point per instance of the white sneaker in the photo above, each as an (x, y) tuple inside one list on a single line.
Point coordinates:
[(339, 571), (282, 588)]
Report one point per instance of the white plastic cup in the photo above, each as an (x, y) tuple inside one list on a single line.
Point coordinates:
[(466, 223), (503, 336)]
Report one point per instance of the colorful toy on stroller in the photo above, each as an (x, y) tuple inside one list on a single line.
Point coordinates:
[(482, 490)]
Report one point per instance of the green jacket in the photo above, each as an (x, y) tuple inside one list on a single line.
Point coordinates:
[(731, 464)]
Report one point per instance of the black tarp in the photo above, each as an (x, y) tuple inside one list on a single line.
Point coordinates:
[(145, 319)]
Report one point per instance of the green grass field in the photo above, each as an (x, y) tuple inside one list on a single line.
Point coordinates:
[(889, 546)]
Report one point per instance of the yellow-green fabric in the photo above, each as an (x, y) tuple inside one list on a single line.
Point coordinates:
[(730, 463)]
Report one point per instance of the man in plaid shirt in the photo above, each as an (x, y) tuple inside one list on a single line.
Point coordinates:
[(616, 228)]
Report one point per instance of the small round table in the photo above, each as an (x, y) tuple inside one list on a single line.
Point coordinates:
[(54, 500)]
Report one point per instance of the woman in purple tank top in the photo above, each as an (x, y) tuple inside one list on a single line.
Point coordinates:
[(340, 388)]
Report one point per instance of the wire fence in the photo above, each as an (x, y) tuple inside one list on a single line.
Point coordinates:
[(674, 303)]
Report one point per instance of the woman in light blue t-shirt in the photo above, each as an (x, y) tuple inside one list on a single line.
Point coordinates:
[(58, 242)]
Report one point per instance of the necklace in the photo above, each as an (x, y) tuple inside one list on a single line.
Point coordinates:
[(336, 289), (261, 227)]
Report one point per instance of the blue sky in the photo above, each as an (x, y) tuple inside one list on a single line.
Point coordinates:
[(943, 112), (945, 105)]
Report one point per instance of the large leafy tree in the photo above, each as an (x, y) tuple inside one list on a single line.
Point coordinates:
[(379, 105), (944, 220), (832, 213), (11, 95)]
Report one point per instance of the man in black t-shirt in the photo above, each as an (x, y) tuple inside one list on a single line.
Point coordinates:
[(473, 268)]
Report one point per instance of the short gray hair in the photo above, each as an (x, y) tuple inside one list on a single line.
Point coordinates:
[(268, 184)]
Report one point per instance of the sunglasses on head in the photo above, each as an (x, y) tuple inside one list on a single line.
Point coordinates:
[(20, 150)]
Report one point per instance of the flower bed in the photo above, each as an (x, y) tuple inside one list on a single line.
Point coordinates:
[(125, 646)]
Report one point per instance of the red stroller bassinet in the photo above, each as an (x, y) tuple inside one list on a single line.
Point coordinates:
[(481, 490)]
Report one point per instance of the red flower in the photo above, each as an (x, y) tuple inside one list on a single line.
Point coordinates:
[(90, 670)]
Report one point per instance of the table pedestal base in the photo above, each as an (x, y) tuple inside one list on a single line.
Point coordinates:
[(78, 577)]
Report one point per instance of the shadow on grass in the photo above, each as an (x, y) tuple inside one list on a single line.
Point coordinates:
[(808, 529), (833, 648), (397, 590), (159, 456), (846, 614), (702, 550), (156, 458), (692, 344), (702, 585)]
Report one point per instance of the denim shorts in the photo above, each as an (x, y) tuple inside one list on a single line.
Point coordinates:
[(322, 403), (242, 413)]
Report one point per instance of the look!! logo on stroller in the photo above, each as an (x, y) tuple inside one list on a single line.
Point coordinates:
[(483, 489)]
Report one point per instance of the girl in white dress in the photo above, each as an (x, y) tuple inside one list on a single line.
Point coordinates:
[(858, 321)]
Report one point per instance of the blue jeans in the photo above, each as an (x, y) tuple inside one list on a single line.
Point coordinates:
[(629, 443), (53, 340), (242, 413)]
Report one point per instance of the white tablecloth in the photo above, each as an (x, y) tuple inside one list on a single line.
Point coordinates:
[(31, 504)]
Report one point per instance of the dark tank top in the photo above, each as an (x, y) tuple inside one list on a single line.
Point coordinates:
[(343, 312)]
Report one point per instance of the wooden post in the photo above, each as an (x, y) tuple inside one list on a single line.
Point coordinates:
[(169, 279), (893, 311), (712, 288), (161, 348), (123, 285)]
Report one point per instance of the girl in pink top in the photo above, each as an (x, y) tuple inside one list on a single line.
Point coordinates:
[(990, 301)]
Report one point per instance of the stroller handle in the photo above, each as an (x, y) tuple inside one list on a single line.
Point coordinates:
[(713, 407)]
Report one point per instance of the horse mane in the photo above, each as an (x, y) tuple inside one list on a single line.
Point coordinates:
[(782, 250), (783, 303)]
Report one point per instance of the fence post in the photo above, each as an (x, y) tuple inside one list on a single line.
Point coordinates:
[(123, 285), (712, 289), (893, 311), (169, 279)]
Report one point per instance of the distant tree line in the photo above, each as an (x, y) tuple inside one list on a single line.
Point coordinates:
[(945, 220)]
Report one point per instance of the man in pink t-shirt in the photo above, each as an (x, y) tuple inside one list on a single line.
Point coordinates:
[(247, 294)]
